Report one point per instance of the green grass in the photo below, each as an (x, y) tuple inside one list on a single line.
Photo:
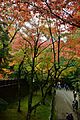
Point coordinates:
[(42, 112)]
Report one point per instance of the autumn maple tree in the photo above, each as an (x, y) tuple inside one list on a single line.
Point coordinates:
[(38, 28)]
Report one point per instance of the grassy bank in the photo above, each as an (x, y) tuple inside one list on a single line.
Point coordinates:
[(42, 112)]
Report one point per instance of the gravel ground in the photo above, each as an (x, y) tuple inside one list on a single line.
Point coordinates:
[(64, 104)]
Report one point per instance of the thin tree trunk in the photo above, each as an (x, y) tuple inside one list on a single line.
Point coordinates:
[(58, 51), (19, 90), (52, 107), (19, 96), (29, 107), (32, 77), (30, 92), (19, 85)]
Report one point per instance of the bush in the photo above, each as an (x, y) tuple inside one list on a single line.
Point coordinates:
[(3, 105)]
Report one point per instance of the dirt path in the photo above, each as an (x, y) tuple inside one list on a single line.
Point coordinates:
[(64, 104)]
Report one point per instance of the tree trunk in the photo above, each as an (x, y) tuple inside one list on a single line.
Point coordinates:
[(52, 107), (19, 85), (30, 92), (19, 91), (19, 96), (29, 102)]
